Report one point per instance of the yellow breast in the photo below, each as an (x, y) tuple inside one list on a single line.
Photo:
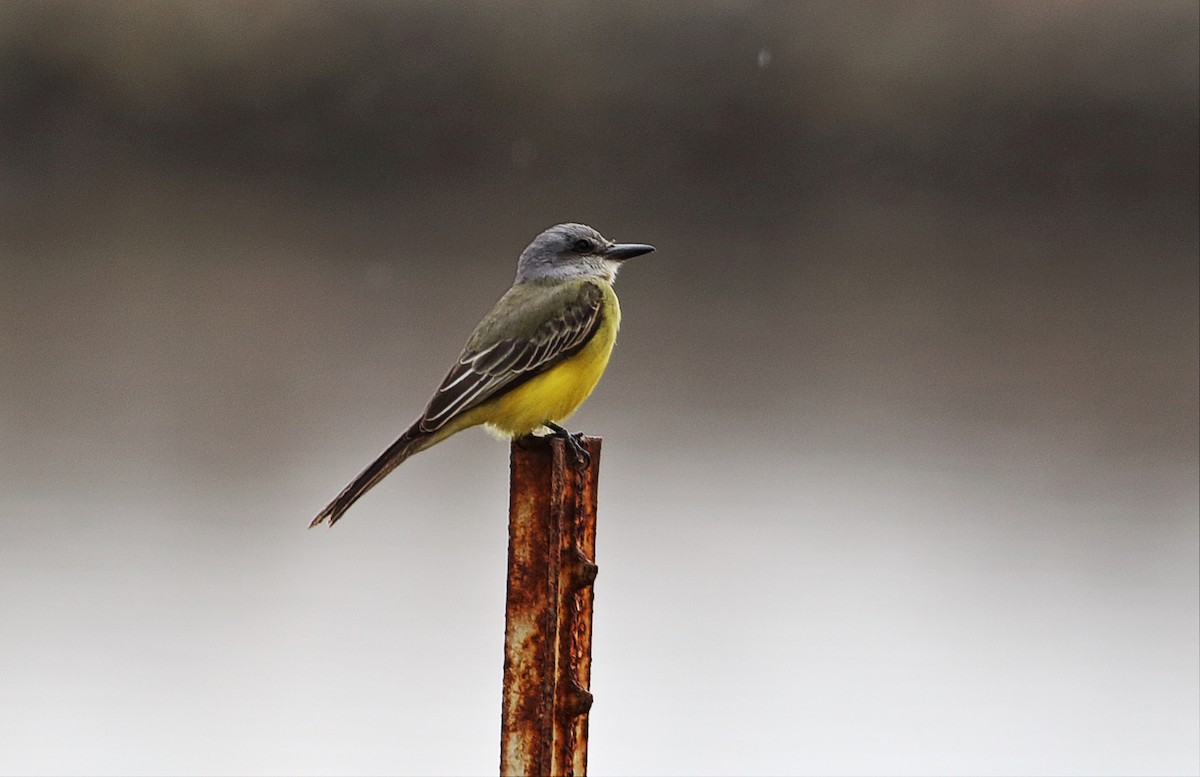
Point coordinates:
[(557, 393)]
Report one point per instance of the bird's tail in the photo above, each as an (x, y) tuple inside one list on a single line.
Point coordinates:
[(412, 441)]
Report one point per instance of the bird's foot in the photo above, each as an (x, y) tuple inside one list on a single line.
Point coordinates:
[(583, 459)]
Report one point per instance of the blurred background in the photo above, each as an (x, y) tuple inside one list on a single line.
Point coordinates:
[(900, 462)]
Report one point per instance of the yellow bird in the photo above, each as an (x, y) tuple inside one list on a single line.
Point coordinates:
[(531, 361)]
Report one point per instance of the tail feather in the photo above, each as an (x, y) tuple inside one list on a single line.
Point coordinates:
[(412, 441)]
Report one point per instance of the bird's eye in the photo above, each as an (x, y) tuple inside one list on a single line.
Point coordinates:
[(583, 245)]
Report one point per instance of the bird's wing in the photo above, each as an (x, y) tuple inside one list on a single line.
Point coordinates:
[(530, 329)]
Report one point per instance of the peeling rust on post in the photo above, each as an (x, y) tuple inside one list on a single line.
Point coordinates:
[(548, 621)]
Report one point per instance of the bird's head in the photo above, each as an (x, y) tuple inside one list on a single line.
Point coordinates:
[(569, 251)]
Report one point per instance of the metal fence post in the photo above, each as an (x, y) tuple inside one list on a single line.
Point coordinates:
[(548, 618)]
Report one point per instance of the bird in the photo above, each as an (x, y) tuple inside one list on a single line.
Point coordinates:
[(530, 362)]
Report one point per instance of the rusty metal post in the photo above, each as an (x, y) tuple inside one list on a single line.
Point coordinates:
[(548, 620)]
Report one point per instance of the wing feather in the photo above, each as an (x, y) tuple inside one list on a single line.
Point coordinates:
[(499, 355)]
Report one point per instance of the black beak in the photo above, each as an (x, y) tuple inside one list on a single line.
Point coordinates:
[(623, 251)]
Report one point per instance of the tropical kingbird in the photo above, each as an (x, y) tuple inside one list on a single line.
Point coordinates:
[(531, 361)]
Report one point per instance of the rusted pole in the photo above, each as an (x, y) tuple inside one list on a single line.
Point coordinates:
[(548, 620)]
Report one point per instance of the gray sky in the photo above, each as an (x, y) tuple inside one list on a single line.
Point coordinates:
[(900, 463)]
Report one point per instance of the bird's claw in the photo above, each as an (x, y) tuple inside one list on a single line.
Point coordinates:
[(583, 459)]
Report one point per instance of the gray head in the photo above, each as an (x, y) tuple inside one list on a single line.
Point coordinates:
[(569, 251)]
